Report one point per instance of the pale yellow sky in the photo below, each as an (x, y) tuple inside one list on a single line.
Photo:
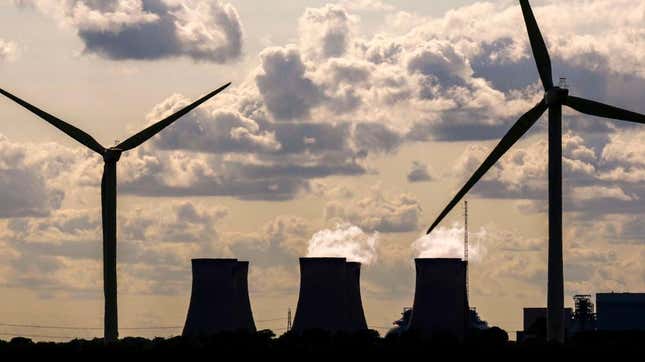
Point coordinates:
[(433, 83)]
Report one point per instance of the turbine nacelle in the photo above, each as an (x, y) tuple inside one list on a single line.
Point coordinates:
[(112, 154), (556, 96)]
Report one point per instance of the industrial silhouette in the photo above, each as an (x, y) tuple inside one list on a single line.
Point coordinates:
[(554, 98), (219, 300), (440, 302), (110, 156), (330, 296), (356, 319)]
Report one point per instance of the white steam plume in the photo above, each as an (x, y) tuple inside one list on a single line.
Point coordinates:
[(345, 240), (446, 242)]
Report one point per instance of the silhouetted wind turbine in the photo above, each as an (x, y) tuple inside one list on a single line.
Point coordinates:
[(554, 99), (108, 192)]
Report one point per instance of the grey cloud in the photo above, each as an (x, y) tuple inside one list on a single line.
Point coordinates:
[(26, 189), (376, 137), (156, 29), (419, 172), (378, 213), (325, 32), (287, 91)]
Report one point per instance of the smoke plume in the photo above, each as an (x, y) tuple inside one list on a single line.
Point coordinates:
[(345, 240), (446, 242)]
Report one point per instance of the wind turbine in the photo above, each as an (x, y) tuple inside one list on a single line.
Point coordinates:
[(554, 98), (111, 156)]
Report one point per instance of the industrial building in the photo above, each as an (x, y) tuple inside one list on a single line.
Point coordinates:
[(440, 298), (620, 311), (534, 323), (614, 312), (330, 297), (219, 299)]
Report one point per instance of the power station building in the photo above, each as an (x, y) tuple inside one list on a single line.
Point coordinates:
[(614, 312), (219, 299), (440, 298), (330, 296), (534, 323), (620, 311)]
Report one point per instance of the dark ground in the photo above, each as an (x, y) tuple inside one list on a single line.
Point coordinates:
[(317, 345)]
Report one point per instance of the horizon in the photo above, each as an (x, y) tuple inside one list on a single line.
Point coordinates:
[(346, 130)]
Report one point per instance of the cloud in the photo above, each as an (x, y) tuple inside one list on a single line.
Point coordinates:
[(601, 192), (419, 172), (29, 178), (287, 91), (151, 29), (326, 32), (155, 248), (8, 50), (377, 212), (211, 130), (366, 5)]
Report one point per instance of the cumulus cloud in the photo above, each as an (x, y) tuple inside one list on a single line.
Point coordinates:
[(28, 178), (419, 172), (522, 171), (155, 247), (326, 32), (151, 29), (378, 212), (287, 91)]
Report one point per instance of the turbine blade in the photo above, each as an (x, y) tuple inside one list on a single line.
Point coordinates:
[(513, 135), (540, 52), (603, 110), (70, 130), (147, 133)]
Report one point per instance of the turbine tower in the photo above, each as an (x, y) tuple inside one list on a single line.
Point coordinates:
[(111, 156), (554, 99)]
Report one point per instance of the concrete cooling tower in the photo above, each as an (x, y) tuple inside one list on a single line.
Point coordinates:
[(440, 305), (244, 319), (330, 297), (356, 320), (219, 300)]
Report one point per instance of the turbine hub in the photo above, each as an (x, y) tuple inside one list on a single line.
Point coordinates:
[(112, 154), (556, 96)]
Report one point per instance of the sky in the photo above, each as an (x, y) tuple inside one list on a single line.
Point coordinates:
[(348, 127)]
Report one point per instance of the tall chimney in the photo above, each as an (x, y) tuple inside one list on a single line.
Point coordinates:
[(356, 320), (440, 305), (322, 302), (219, 300)]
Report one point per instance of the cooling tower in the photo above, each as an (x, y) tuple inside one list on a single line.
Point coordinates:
[(322, 302), (243, 311), (219, 300), (356, 319), (440, 305)]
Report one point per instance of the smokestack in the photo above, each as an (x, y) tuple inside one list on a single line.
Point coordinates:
[(440, 305), (356, 320), (322, 302), (219, 300)]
